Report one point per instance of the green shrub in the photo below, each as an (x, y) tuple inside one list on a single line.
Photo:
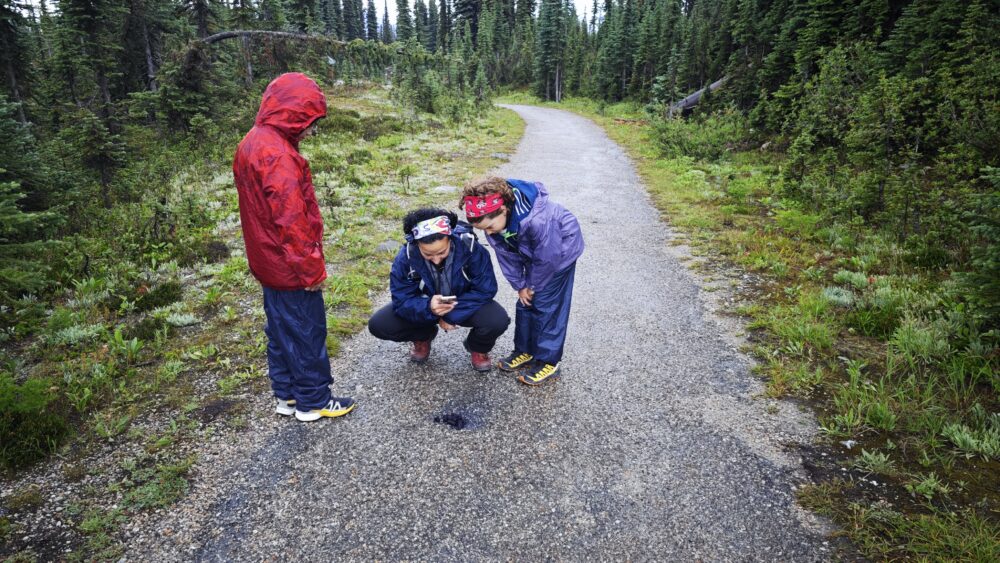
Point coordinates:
[(705, 138), (76, 335), (838, 296), (982, 282), (375, 126), (340, 124), (146, 328), (797, 223), (160, 296), (200, 250), (29, 428)]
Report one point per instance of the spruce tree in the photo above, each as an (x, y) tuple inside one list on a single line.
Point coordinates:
[(202, 13), (332, 16), (404, 23), (272, 14), (549, 56), (467, 12), (386, 34), (444, 27), (353, 21), (433, 18), (147, 23), (13, 54), (371, 21), (420, 22)]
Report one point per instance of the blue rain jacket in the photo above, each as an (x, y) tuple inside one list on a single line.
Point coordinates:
[(472, 280)]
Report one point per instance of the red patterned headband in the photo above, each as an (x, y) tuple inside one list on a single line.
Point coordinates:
[(477, 206)]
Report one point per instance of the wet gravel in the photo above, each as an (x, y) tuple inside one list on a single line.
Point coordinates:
[(653, 444)]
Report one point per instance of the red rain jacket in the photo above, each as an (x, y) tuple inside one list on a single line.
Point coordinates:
[(282, 225)]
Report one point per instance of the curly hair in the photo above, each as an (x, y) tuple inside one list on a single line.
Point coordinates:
[(487, 185), (423, 214)]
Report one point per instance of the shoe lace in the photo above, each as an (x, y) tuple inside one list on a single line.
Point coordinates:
[(541, 374), (521, 358)]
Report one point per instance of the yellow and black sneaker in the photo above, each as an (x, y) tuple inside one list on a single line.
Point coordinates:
[(338, 406), (515, 361), (539, 373)]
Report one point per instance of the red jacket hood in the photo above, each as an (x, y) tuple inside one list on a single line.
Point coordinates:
[(291, 103)]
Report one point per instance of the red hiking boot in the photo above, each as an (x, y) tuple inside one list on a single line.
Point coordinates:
[(421, 349), (481, 361)]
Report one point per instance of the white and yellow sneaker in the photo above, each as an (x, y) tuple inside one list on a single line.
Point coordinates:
[(285, 408), (338, 406)]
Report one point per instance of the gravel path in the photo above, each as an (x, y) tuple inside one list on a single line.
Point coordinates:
[(651, 446)]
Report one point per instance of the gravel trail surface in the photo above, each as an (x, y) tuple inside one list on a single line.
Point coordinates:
[(651, 446)]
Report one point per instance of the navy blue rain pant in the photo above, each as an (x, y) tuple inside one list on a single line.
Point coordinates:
[(540, 330), (487, 324), (297, 361)]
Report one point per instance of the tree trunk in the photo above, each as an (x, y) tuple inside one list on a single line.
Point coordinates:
[(150, 61), (693, 99), (558, 83), (246, 57)]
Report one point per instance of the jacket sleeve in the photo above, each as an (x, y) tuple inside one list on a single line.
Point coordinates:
[(407, 299), (545, 238), (284, 183), (483, 287), (511, 264)]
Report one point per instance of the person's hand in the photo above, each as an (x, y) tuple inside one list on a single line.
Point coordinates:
[(439, 307), (446, 326), (316, 287), (525, 296)]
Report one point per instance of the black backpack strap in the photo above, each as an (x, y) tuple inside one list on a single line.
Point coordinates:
[(470, 240), (412, 274)]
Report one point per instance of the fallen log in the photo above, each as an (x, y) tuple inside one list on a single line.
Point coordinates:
[(222, 35), (693, 99)]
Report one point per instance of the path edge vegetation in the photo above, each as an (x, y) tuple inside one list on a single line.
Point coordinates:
[(834, 328)]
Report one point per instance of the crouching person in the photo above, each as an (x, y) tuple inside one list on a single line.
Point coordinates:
[(442, 278)]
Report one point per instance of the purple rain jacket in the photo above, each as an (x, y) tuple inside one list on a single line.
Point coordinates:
[(547, 239)]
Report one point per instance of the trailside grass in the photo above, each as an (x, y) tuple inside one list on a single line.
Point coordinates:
[(904, 388)]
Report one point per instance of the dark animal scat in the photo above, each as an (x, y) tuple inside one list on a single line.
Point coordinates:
[(456, 421)]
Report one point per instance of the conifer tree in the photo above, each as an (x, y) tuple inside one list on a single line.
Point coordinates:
[(146, 24), (404, 23), (432, 26), (332, 16), (444, 27), (549, 56), (371, 21), (12, 54), (467, 12), (353, 20), (272, 14), (386, 33), (420, 22)]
